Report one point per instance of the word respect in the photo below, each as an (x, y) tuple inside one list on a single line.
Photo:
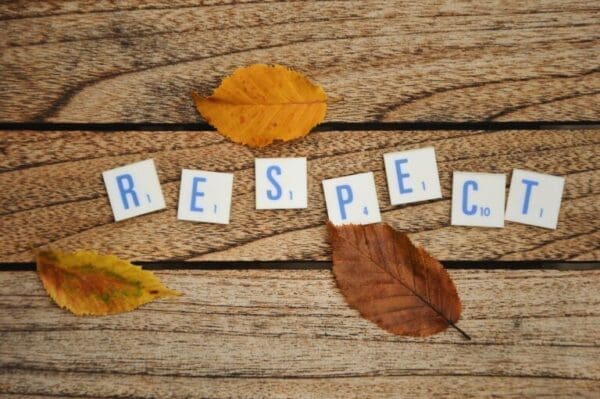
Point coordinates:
[(478, 199)]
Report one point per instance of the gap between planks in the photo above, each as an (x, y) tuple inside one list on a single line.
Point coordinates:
[(323, 127), (323, 265)]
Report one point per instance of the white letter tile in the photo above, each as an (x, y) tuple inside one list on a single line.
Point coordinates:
[(205, 196), (534, 198), (133, 189), (478, 199), (281, 183), (352, 199), (412, 176)]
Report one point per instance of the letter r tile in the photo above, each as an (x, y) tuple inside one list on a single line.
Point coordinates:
[(133, 189)]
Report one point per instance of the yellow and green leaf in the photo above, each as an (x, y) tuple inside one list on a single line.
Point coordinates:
[(88, 283)]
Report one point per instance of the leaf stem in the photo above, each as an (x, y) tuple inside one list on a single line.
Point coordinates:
[(464, 334)]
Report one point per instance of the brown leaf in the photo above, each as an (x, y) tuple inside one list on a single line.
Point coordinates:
[(391, 282)]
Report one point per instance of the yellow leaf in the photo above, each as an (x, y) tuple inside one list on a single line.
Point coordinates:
[(260, 103), (88, 283)]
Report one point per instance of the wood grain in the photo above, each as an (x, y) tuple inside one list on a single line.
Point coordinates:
[(82, 61), (53, 194), (76, 385), (281, 333)]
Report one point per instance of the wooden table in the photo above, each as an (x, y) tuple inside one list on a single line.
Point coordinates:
[(86, 86)]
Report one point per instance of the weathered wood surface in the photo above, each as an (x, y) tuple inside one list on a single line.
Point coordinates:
[(52, 193), (82, 61), (275, 333), (140, 386)]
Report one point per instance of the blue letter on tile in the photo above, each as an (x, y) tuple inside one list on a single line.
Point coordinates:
[(270, 170), (344, 200), (127, 189), (195, 193), (401, 176), (530, 184), (465, 205)]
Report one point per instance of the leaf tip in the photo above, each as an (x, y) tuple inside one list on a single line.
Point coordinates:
[(196, 97)]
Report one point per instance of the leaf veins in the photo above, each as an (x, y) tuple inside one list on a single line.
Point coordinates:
[(260, 103), (392, 282), (87, 283)]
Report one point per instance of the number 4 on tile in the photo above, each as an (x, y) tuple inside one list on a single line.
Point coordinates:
[(352, 199)]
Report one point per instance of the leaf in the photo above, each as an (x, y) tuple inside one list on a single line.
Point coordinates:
[(391, 282), (260, 103), (88, 283)]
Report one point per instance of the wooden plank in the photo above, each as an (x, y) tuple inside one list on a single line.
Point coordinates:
[(280, 333), (86, 385), (56, 195), (82, 61)]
